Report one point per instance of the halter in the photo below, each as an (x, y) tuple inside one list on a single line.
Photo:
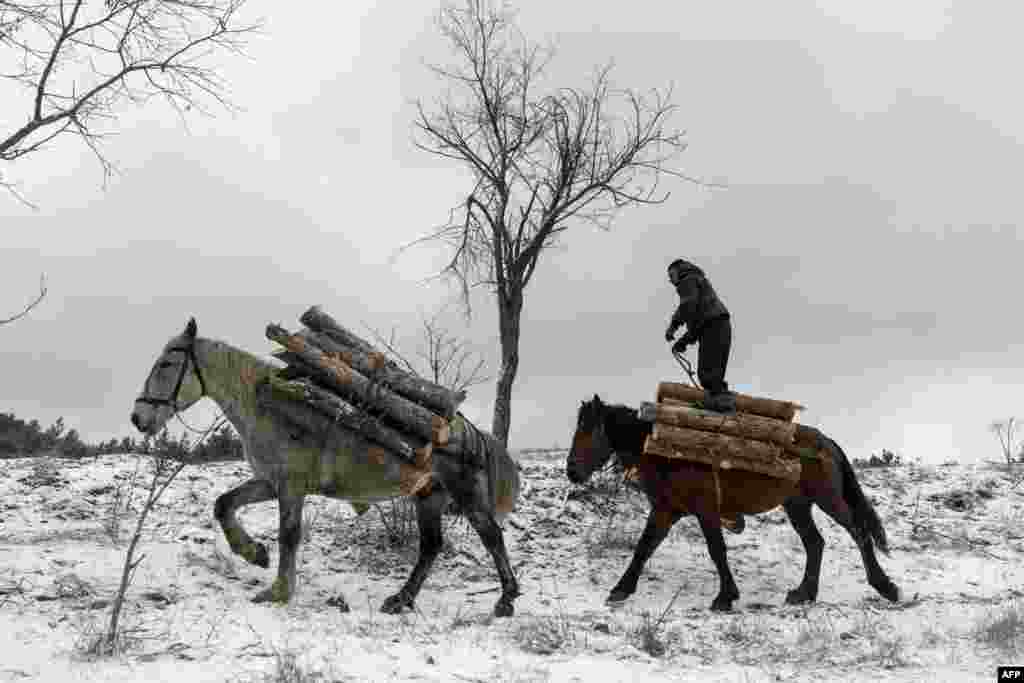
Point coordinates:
[(172, 400)]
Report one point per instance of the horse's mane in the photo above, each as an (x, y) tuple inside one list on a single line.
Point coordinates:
[(235, 353), (625, 429)]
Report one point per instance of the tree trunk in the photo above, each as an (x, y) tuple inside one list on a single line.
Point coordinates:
[(510, 308), (352, 385)]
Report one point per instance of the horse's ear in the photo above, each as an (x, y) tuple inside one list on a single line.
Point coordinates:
[(191, 329), (597, 400)]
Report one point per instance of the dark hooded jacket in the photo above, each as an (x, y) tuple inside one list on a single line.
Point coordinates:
[(698, 302)]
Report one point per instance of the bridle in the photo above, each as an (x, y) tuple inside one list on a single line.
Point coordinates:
[(598, 431), (172, 400)]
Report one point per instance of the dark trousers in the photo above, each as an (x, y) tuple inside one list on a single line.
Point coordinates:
[(713, 354)]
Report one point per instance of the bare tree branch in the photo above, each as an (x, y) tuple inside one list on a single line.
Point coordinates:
[(1009, 441), (33, 304), (542, 161), (444, 359), (78, 62)]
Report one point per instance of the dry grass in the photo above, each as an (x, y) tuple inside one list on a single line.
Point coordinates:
[(547, 634), (648, 636), (1002, 629), (287, 669), (119, 504), (399, 519), (613, 534)]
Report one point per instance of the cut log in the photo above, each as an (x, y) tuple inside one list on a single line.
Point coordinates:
[(766, 407), (728, 452), (342, 413), (374, 364), (320, 431), (741, 424), (319, 321), (354, 386)]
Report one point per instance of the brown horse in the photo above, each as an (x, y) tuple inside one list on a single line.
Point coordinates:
[(678, 487)]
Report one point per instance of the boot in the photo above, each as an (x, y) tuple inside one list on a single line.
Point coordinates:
[(722, 402), (735, 524)]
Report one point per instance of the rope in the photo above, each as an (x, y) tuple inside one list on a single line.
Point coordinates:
[(681, 359)]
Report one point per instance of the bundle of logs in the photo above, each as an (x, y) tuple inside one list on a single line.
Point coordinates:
[(759, 437), (336, 380)]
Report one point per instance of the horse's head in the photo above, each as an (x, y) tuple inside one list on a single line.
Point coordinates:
[(590, 446), (174, 383)]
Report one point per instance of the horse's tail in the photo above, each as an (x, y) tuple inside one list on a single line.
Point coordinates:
[(865, 518)]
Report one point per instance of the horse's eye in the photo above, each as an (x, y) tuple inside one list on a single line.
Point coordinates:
[(164, 364)]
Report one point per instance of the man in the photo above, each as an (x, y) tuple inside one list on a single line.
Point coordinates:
[(708, 323)]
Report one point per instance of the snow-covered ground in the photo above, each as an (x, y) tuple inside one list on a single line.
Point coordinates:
[(957, 537)]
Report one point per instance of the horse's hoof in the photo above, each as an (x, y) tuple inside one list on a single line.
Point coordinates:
[(798, 597), (890, 592), (396, 604), (339, 602), (721, 605), (504, 608), (265, 595), (616, 598)]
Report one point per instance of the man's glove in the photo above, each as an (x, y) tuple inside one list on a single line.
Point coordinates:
[(670, 333)]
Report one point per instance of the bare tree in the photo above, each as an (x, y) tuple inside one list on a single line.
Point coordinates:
[(1009, 441), (78, 61), (33, 304), (443, 358), (540, 162)]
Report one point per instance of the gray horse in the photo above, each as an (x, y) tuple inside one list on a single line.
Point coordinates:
[(286, 466)]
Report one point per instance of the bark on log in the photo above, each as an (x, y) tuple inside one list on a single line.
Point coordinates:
[(766, 407), (341, 413), (742, 424), (374, 364), (316, 431), (728, 452), (354, 386), (319, 321)]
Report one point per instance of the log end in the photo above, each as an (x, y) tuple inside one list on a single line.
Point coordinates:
[(414, 481), (424, 456), (377, 360), (377, 455), (440, 432)]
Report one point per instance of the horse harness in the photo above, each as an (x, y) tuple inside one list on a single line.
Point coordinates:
[(172, 400)]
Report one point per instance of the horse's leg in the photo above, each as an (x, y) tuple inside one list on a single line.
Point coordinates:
[(252, 491), (478, 513), (428, 515), (836, 508), (799, 512), (659, 523), (289, 536), (711, 525)]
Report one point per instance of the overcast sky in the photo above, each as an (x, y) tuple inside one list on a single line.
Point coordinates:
[(868, 246)]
